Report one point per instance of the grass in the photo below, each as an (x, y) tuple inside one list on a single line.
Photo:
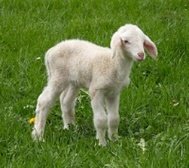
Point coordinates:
[(154, 108)]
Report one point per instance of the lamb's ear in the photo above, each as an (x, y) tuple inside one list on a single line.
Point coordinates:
[(115, 43), (150, 47)]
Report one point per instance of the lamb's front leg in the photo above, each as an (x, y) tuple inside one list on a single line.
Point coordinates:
[(100, 118), (112, 105)]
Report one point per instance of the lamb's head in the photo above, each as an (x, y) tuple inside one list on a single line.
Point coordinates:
[(130, 41)]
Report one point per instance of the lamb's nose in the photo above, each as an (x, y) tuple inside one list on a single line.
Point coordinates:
[(141, 55)]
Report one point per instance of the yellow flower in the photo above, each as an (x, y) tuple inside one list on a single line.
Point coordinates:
[(32, 120)]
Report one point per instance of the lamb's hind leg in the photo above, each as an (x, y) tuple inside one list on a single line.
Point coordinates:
[(67, 101), (45, 101)]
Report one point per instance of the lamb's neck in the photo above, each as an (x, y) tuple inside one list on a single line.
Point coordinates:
[(124, 65)]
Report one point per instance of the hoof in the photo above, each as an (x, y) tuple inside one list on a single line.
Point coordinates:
[(36, 136)]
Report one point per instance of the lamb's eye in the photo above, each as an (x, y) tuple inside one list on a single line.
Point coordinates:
[(126, 41)]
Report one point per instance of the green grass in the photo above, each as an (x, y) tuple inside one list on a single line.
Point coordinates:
[(155, 107)]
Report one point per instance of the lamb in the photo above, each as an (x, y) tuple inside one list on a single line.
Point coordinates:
[(75, 64)]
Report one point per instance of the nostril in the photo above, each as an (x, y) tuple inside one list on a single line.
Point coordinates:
[(141, 55)]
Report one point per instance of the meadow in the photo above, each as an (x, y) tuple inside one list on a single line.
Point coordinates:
[(154, 109)]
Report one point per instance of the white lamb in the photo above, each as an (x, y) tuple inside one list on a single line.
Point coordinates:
[(75, 64)]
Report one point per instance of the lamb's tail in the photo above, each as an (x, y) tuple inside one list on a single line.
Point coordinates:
[(47, 64)]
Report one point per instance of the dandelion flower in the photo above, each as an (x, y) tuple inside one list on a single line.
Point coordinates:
[(32, 120)]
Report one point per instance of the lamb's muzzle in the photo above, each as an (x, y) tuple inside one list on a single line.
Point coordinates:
[(75, 64)]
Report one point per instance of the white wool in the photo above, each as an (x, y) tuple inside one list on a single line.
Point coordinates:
[(75, 64)]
